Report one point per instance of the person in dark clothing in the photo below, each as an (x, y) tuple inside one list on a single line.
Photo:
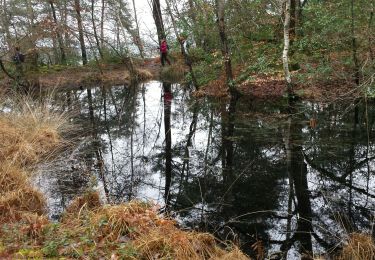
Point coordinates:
[(164, 52), (18, 59)]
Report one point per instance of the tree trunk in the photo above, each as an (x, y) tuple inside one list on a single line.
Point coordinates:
[(220, 13), (138, 39), (286, 47), (158, 18), (370, 31), (127, 59), (102, 24), (183, 51), (64, 16), (77, 7), (293, 20), (58, 34), (33, 55), (94, 28), (354, 47)]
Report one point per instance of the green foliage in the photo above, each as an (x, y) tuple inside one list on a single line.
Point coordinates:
[(173, 73), (208, 69), (199, 55), (52, 68), (50, 249), (263, 64), (127, 250), (322, 71), (111, 56)]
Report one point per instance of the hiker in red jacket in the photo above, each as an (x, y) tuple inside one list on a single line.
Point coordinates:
[(164, 52)]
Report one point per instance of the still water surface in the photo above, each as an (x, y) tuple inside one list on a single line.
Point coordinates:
[(294, 177)]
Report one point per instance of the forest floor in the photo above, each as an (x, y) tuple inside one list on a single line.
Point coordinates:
[(273, 86)]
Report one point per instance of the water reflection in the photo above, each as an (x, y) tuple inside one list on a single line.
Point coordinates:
[(290, 177), (168, 96)]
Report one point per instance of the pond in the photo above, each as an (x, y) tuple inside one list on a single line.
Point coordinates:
[(268, 174)]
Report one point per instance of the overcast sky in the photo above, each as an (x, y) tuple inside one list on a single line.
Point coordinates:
[(146, 22)]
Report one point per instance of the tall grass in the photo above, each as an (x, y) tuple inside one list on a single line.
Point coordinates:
[(358, 246), (147, 234), (29, 134)]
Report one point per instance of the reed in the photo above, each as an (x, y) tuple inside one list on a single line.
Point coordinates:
[(359, 246), (29, 134)]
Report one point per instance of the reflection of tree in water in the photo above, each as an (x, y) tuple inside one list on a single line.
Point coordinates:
[(214, 199), (299, 204), (250, 172), (167, 97), (254, 203), (116, 117), (340, 161), (111, 142)]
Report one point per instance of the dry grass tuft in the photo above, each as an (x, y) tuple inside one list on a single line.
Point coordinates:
[(358, 247), (128, 231), (34, 224), (130, 220), (171, 243), (143, 74), (13, 203), (11, 178), (150, 235), (89, 201), (173, 73), (29, 134)]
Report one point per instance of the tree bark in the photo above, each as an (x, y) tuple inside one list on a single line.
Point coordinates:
[(286, 46), (220, 13), (94, 29), (158, 18), (58, 34), (293, 20), (102, 24), (77, 7), (354, 47), (138, 39), (183, 51), (370, 30)]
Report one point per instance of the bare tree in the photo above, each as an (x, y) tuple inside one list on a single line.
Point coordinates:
[(77, 7), (138, 37), (94, 29), (102, 24), (58, 34), (220, 13), (158, 18), (286, 46)]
